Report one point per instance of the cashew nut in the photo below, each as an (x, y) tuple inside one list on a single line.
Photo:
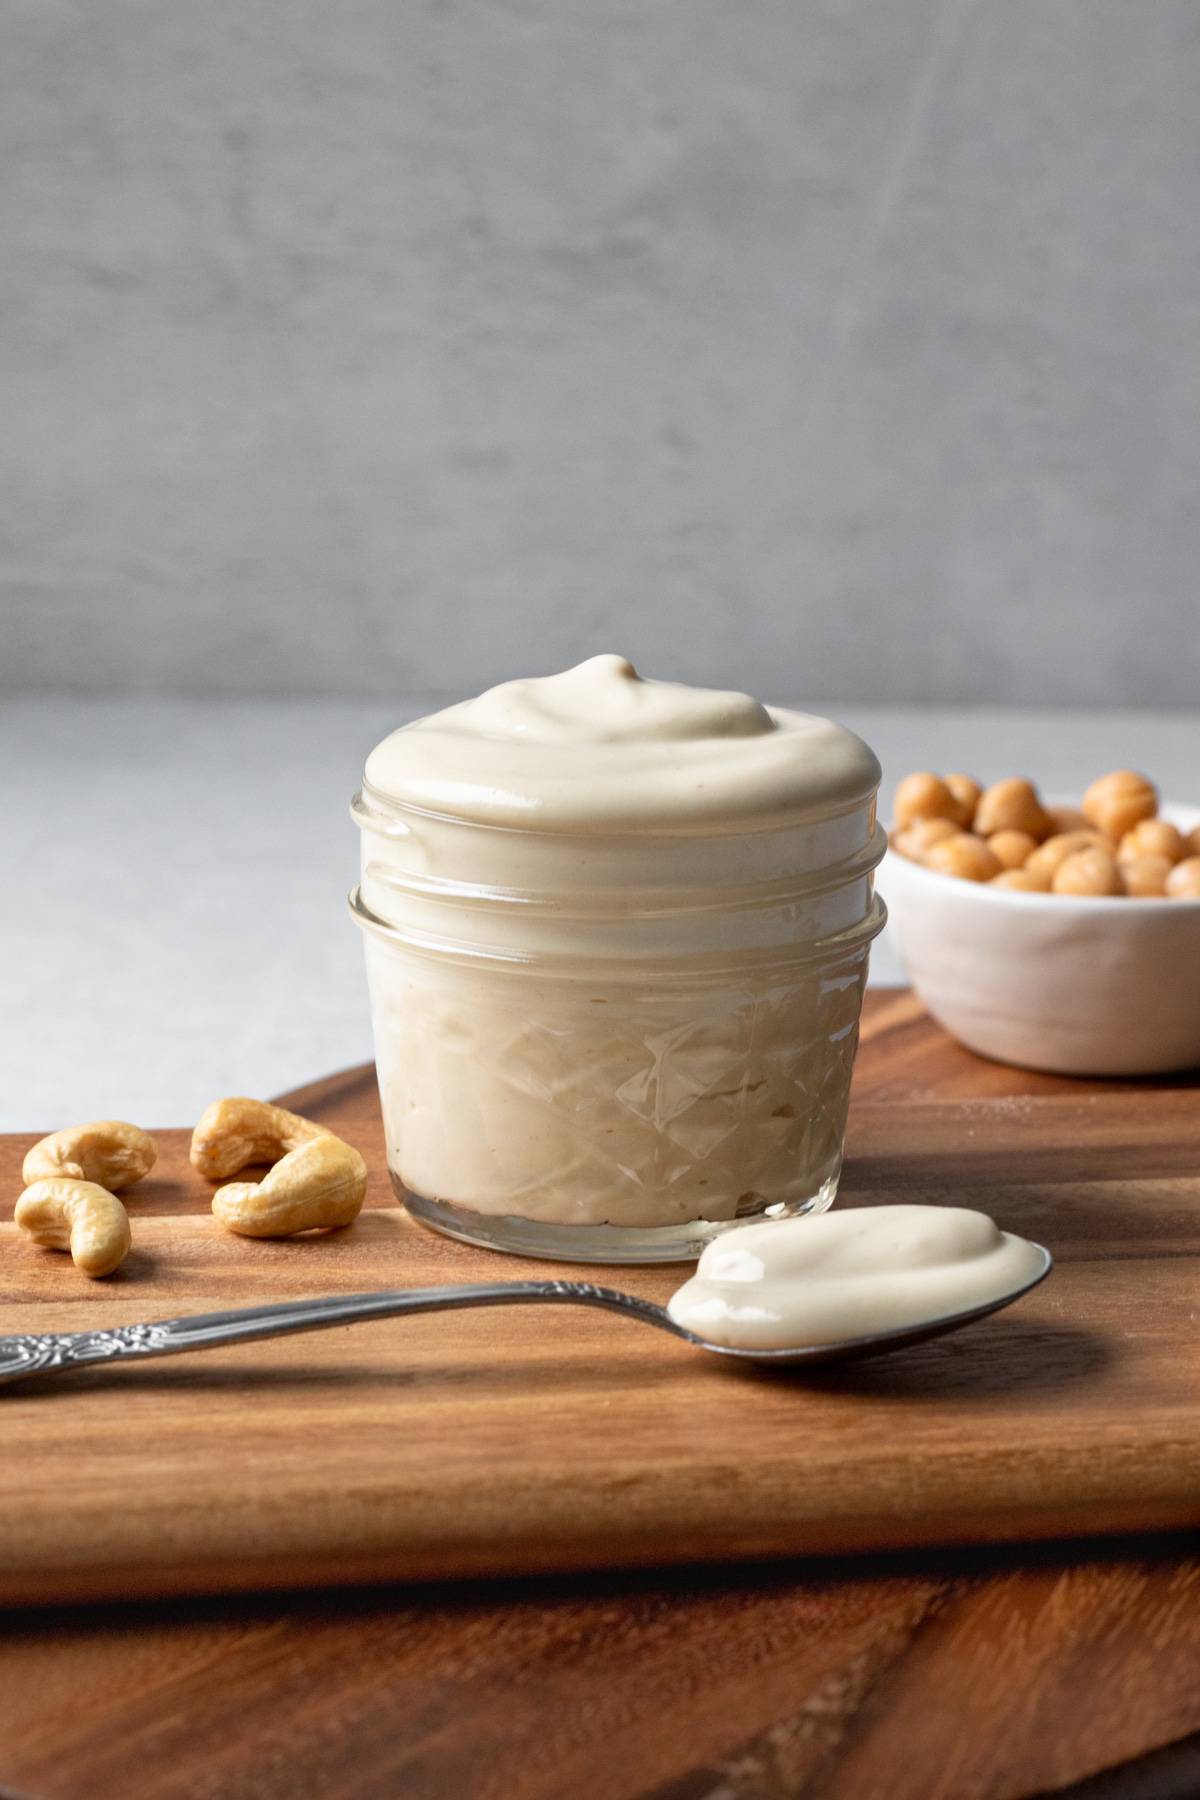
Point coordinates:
[(77, 1216), (109, 1152), (238, 1131), (320, 1184)]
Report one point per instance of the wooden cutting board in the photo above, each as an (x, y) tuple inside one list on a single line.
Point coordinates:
[(501, 1442)]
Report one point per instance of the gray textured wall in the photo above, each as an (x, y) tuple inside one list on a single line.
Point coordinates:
[(832, 348)]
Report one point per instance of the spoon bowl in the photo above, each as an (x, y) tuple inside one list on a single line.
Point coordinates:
[(45, 1353), (878, 1343)]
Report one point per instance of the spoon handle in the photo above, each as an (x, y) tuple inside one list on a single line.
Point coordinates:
[(40, 1354)]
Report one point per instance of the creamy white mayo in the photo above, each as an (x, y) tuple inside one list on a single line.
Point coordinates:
[(849, 1274), (617, 934), (599, 749)]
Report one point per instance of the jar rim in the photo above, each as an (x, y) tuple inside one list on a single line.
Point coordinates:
[(701, 966), (648, 902)]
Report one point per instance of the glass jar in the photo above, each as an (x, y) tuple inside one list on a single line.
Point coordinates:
[(617, 1068)]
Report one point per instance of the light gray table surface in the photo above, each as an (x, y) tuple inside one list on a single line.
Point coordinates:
[(172, 919)]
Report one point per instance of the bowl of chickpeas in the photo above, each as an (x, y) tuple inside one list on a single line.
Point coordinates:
[(1056, 935)]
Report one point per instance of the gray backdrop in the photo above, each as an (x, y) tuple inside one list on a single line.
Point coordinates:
[(835, 348)]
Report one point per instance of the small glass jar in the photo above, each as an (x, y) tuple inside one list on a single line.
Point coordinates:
[(617, 1068)]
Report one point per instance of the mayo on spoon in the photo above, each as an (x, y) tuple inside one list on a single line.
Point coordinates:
[(849, 1274)]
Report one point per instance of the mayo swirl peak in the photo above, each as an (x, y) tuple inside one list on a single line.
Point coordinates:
[(598, 748)]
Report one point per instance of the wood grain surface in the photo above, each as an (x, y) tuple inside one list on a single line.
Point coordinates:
[(983, 1674), (527, 1441)]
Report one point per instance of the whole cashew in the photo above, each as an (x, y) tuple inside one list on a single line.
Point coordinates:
[(318, 1185), (109, 1152), (77, 1216), (238, 1131)]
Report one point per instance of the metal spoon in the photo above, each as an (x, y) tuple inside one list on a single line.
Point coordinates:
[(37, 1355)]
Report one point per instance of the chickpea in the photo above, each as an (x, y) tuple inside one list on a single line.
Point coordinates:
[(963, 855), (1066, 818), (1183, 883), (1090, 872), (1145, 877), (1055, 851), (1011, 805), (1022, 881), (924, 796), (966, 791), (1012, 847), (1118, 802), (1152, 837), (921, 835), (1113, 843)]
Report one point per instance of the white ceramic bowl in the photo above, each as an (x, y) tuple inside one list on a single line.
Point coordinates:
[(1047, 981)]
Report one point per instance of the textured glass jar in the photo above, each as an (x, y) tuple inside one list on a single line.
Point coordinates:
[(618, 1072)]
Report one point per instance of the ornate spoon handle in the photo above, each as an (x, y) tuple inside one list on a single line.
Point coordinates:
[(35, 1355)]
